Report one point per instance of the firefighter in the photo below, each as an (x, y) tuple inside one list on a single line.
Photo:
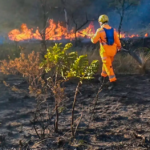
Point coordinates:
[(109, 45)]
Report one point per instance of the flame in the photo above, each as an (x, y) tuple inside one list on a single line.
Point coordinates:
[(146, 35), (53, 32), (56, 32)]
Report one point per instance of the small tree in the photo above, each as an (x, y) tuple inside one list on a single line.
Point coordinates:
[(60, 67), (82, 70), (63, 66)]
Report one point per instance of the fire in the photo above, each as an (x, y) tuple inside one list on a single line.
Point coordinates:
[(146, 35), (55, 32)]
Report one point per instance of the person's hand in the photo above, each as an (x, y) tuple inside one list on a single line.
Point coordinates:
[(118, 49)]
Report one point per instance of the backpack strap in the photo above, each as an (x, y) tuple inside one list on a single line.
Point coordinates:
[(109, 36)]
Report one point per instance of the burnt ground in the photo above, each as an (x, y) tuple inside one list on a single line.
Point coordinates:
[(121, 120)]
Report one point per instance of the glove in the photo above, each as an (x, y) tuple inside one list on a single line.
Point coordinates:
[(118, 49)]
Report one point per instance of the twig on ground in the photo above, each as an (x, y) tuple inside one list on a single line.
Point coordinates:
[(139, 136), (73, 107), (96, 99), (78, 123), (40, 142)]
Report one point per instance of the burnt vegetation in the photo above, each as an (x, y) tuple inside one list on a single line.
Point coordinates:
[(50, 96)]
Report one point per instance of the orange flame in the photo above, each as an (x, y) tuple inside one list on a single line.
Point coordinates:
[(146, 35), (55, 32)]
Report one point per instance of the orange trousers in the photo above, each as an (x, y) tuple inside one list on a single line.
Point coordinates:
[(107, 68)]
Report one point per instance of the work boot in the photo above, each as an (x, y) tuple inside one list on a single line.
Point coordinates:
[(112, 85), (102, 79)]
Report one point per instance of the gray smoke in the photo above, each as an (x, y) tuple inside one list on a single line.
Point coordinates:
[(15, 12), (135, 19)]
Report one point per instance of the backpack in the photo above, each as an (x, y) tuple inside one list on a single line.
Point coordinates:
[(109, 36)]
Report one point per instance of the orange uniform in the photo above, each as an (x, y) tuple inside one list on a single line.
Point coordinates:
[(107, 52)]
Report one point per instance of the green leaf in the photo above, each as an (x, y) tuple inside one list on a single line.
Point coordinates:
[(68, 65)]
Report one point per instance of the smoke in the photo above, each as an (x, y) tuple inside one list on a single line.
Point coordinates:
[(140, 18), (135, 19), (15, 12)]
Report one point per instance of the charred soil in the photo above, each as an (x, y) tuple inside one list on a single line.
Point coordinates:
[(121, 118)]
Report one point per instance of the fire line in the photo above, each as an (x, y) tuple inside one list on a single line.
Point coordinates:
[(56, 32)]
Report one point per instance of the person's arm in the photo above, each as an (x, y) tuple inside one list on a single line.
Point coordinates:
[(117, 40), (96, 37)]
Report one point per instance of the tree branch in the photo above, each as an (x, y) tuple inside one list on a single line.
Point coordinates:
[(129, 6), (66, 15)]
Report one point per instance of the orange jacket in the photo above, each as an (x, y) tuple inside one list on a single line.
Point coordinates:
[(100, 36)]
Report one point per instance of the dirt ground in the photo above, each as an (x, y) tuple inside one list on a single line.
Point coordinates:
[(121, 120)]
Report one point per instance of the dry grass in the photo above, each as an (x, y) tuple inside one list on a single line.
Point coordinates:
[(127, 64), (93, 54), (14, 124), (146, 61), (123, 63)]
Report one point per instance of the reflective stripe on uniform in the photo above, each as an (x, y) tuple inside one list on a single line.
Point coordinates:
[(92, 40), (111, 77)]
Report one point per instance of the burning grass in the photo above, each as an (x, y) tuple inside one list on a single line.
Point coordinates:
[(56, 31)]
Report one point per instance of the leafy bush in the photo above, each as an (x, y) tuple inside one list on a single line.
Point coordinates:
[(68, 65), (59, 66)]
